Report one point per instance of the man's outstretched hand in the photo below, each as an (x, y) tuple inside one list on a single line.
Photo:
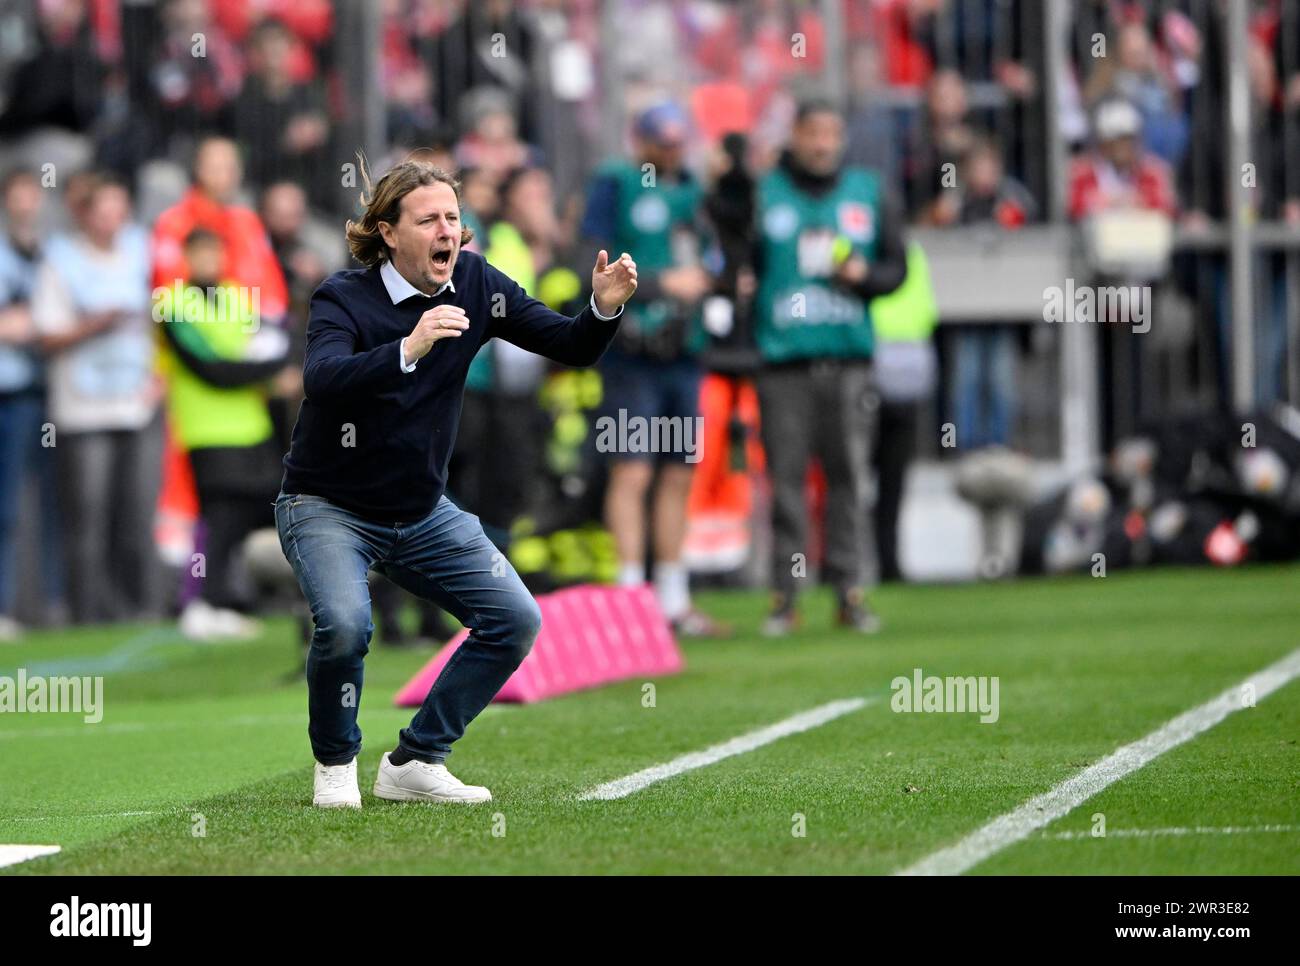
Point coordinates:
[(612, 283)]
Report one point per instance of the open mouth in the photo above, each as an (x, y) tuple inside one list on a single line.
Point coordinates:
[(441, 259)]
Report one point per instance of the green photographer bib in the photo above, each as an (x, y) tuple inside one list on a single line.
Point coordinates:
[(656, 222), (800, 312)]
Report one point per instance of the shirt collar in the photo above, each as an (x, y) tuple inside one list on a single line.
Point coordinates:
[(399, 289)]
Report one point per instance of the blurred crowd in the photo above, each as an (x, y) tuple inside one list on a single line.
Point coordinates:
[(153, 147)]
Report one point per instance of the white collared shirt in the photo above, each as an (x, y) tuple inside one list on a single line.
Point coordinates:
[(399, 290)]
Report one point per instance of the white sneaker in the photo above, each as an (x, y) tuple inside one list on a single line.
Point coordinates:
[(10, 630), (418, 781), (336, 786), (234, 624), (200, 621)]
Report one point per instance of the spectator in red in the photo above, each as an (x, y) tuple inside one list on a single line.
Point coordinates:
[(311, 23), (249, 260), (907, 62), (1118, 173), (210, 203)]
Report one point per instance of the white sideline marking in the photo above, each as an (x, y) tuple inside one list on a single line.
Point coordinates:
[(124, 727), (1141, 833), (13, 854), (1046, 808), (59, 818), (804, 721)]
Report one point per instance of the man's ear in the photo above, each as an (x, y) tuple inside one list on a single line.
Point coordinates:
[(387, 233)]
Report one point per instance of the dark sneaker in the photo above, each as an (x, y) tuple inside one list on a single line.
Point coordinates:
[(856, 614), (782, 619)]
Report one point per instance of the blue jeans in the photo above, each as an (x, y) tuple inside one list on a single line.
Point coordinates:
[(985, 393), (444, 558), (20, 422), (22, 455)]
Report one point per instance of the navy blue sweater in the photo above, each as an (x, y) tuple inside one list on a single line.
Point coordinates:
[(402, 425)]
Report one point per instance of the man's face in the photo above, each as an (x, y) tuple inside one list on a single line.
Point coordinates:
[(426, 239), (496, 127), (274, 50), (217, 170), (983, 172), (284, 210), (531, 205), (666, 156), (946, 97), (23, 201), (480, 192), (204, 258), (818, 142), (108, 211), (1121, 152)]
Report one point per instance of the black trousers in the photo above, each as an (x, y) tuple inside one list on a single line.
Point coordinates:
[(237, 486), (894, 450)]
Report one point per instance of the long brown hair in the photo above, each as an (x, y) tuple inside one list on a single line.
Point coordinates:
[(383, 202)]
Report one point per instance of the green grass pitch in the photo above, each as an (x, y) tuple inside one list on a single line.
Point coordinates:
[(213, 738)]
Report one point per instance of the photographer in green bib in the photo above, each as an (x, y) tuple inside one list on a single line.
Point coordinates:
[(650, 205), (829, 239)]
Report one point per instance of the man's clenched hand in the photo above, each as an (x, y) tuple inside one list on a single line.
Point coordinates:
[(440, 322)]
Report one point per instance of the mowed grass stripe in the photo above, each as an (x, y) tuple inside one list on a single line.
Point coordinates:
[(1044, 809)]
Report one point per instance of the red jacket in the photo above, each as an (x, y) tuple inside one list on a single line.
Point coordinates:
[(250, 259), (1095, 187)]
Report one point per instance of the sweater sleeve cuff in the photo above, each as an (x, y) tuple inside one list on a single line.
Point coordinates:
[(401, 357), (597, 313)]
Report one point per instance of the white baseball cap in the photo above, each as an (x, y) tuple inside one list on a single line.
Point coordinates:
[(1116, 119)]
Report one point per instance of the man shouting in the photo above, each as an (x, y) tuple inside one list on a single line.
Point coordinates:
[(388, 348)]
